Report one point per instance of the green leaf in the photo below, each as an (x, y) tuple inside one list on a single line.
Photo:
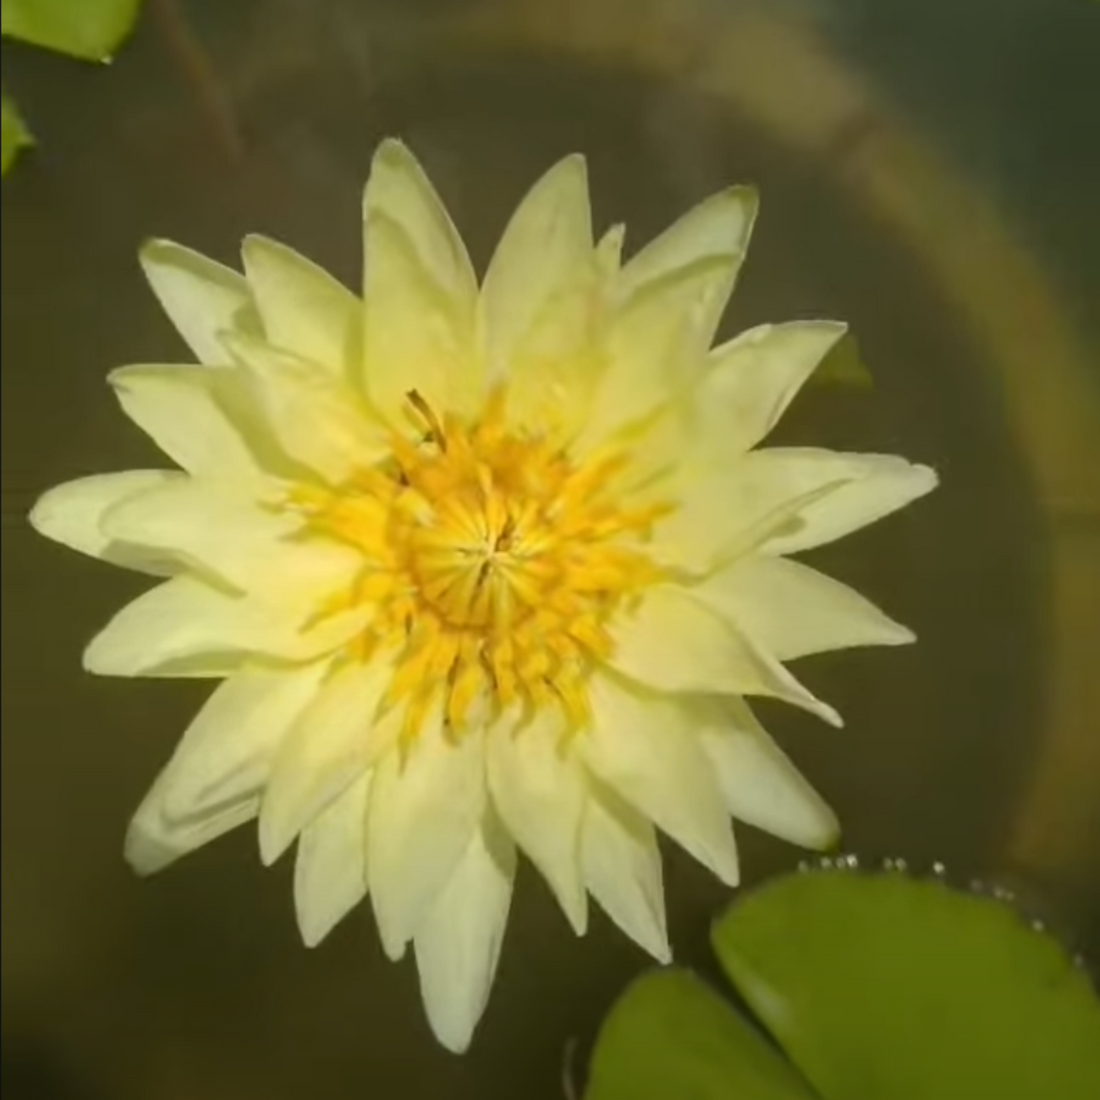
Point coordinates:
[(670, 1037), (88, 29), (887, 987), (843, 366), (16, 136)]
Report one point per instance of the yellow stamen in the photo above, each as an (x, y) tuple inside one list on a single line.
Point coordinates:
[(492, 563)]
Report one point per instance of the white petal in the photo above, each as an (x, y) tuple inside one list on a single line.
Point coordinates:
[(212, 525), (214, 779), (656, 345), (835, 494), (555, 367), (318, 420), (720, 225), (622, 868), (71, 514), (421, 294), (399, 189), (752, 379), (427, 801), (203, 298), (641, 744), (547, 242), (781, 501), (187, 628), (333, 744), (674, 642), (229, 532), (330, 870), (538, 789), (185, 411), (881, 484), (760, 784), (458, 944), (791, 610), (304, 310)]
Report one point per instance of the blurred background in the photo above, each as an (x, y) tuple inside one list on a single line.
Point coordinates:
[(929, 172)]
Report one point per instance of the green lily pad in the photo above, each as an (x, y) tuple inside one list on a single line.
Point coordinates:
[(15, 135), (670, 1037), (88, 29), (887, 987), (876, 987)]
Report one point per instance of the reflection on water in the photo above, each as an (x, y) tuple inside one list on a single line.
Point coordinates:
[(976, 747)]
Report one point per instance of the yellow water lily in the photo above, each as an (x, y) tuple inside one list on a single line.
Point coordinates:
[(483, 568)]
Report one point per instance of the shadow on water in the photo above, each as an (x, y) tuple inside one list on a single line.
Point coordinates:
[(227, 119)]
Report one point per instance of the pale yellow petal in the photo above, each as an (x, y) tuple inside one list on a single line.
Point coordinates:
[(720, 225), (417, 337), (622, 869), (427, 801), (203, 298), (185, 627), (421, 293), (72, 515), (546, 246), (675, 642), (333, 744), (751, 380), (458, 944), (330, 869), (304, 309), (785, 499), (211, 525), (759, 783), (228, 532), (187, 412), (879, 485), (791, 610), (318, 420), (556, 366), (641, 745), (400, 190), (538, 789), (656, 346), (217, 773), (779, 501)]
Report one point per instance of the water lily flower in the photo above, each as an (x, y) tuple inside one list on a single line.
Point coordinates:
[(482, 568)]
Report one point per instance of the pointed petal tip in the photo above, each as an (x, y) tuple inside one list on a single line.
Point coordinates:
[(153, 249), (312, 932), (926, 477), (119, 379), (274, 836), (96, 661), (576, 913), (253, 243), (572, 169), (143, 853), (44, 517), (728, 871), (392, 148), (394, 947), (745, 195), (452, 1039)]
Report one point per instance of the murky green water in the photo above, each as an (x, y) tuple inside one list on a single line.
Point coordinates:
[(914, 216)]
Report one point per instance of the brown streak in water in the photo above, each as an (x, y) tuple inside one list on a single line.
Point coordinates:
[(194, 63)]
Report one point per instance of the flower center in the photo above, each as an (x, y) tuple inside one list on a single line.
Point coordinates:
[(492, 563)]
